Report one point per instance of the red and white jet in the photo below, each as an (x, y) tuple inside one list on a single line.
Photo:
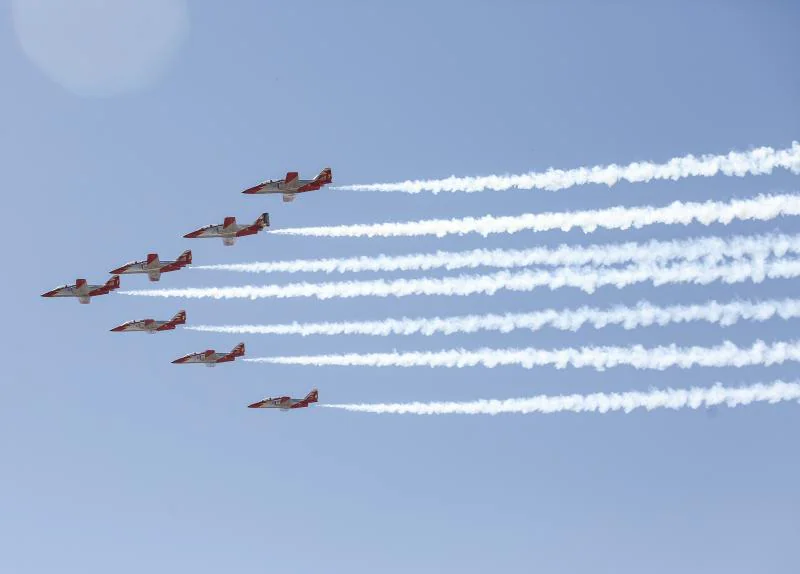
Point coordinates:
[(210, 358), (153, 267), (84, 292), (150, 325), (286, 403), (230, 230), (291, 185)]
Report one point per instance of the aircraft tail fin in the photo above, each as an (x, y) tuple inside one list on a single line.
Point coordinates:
[(238, 350), (313, 396), (179, 318), (185, 257), (325, 176), (262, 221), (112, 283)]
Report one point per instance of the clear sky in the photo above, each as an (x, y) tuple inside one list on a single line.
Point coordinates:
[(115, 144)]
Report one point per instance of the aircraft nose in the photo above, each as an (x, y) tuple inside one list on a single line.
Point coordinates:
[(254, 405), (177, 361), (252, 190), (193, 234), (118, 329)]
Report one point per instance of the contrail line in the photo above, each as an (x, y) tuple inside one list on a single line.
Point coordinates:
[(712, 249), (587, 279), (599, 358), (644, 314), (760, 208), (675, 399), (758, 161)]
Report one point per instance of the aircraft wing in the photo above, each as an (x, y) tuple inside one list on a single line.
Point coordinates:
[(152, 261)]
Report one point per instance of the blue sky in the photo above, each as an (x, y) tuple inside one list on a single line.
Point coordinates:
[(115, 459)]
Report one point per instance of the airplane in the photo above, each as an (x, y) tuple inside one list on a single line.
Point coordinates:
[(84, 292), (153, 267), (151, 326), (210, 358), (230, 230), (292, 185), (286, 403)]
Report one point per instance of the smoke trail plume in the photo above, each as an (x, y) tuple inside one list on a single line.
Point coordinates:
[(762, 160), (759, 208), (587, 279), (693, 398), (712, 249), (643, 314), (599, 358)]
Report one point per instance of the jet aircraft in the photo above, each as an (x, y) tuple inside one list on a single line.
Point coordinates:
[(286, 403), (153, 267), (150, 325), (292, 185), (210, 357), (230, 230), (84, 292)]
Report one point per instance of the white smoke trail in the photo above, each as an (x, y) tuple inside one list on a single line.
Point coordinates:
[(643, 314), (759, 208), (693, 398), (599, 358), (758, 161), (587, 279), (713, 249)]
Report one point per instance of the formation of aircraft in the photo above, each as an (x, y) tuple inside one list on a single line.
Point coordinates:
[(229, 231), (211, 358), (291, 185), (151, 325), (154, 267), (83, 291), (286, 403)]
